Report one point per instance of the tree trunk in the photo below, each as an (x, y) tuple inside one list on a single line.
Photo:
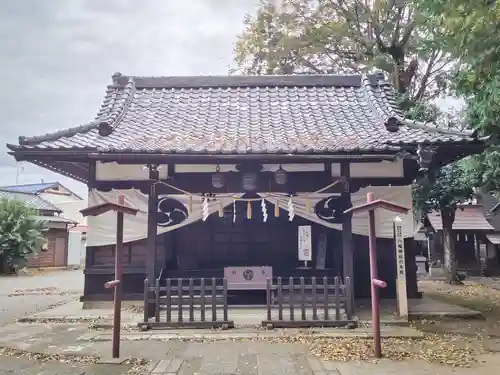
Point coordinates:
[(450, 259), (3, 265)]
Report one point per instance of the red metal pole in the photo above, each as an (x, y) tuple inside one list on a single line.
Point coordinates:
[(374, 276), (118, 276)]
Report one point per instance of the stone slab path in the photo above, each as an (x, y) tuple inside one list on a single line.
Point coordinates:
[(170, 355), (282, 359), (239, 359)]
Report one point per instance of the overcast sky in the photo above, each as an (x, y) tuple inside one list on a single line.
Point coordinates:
[(57, 56)]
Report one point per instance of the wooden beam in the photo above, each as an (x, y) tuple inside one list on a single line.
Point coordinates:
[(347, 241), (180, 158), (60, 160), (152, 227), (379, 204), (91, 179), (85, 155), (297, 182), (108, 206)]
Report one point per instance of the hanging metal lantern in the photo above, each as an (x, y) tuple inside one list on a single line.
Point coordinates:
[(249, 181), (280, 176), (218, 178), (425, 155)]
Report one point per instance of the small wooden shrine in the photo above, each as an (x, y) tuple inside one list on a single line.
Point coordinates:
[(228, 174)]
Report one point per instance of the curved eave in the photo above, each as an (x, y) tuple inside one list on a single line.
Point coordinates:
[(18, 151), (427, 142), (67, 169), (73, 162)]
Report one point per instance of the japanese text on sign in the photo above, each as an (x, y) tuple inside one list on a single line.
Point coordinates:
[(400, 251), (305, 243)]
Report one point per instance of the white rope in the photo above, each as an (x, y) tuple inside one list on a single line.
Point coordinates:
[(264, 210)]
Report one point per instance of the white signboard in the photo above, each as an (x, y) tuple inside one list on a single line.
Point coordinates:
[(305, 243), (248, 278), (402, 295)]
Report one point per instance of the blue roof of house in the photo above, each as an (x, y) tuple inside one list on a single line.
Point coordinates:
[(29, 188)]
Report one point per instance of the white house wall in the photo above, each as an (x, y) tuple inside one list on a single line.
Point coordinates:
[(76, 249), (70, 205)]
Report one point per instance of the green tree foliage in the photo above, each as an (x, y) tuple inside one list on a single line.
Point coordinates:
[(442, 190), (470, 30), (331, 36), (20, 235)]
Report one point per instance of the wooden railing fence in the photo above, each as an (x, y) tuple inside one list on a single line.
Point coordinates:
[(191, 303), (317, 303)]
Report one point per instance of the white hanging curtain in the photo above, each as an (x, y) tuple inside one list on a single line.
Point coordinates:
[(102, 228), (300, 207), (383, 219)]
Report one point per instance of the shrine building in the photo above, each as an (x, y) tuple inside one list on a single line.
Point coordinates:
[(229, 172)]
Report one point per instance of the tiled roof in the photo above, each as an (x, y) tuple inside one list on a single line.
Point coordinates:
[(38, 188), (246, 114), (29, 199), (30, 188), (53, 219), (467, 217)]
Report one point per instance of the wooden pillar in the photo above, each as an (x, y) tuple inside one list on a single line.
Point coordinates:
[(152, 227), (89, 257), (347, 244), (477, 249)]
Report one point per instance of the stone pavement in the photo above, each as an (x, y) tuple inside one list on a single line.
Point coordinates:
[(24, 366), (250, 334), (262, 358), (209, 362), (241, 351), (77, 339), (224, 356)]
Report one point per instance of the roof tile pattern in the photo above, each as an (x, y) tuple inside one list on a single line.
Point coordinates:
[(29, 188), (234, 115), (31, 200), (467, 217)]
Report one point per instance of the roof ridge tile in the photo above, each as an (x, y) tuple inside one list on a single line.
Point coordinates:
[(368, 92), (119, 107), (106, 106), (243, 81)]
